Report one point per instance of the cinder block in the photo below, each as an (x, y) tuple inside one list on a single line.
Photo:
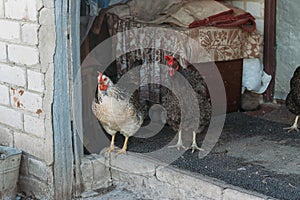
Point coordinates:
[(12, 75), (87, 173), (11, 117), (22, 10), (29, 33), (23, 55), (34, 125), (35, 81), (12, 30), (4, 95), (26, 100), (38, 169), (40, 189)]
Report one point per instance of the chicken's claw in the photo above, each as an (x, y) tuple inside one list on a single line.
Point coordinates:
[(121, 151), (179, 143), (178, 146), (292, 128), (194, 145)]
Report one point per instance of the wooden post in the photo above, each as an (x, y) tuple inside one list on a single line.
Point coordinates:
[(270, 46), (63, 153)]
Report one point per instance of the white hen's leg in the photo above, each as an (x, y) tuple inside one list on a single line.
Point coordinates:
[(294, 127), (194, 145), (112, 145), (179, 142), (123, 150)]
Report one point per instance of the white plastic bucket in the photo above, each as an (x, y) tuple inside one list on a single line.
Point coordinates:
[(9, 172)]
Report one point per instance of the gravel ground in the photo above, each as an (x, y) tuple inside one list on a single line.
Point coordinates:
[(252, 153)]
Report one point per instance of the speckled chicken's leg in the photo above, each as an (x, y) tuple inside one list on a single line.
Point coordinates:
[(179, 142), (294, 127), (194, 145), (123, 150)]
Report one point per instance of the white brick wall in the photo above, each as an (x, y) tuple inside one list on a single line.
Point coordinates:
[(26, 142), (4, 95), (26, 100), (3, 54), (29, 33), (34, 125), (25, 120), (23, 55), (12, 30), (6, 137), (11, 118), (35, 81), (12, 75), (1, 9), (22, 10)]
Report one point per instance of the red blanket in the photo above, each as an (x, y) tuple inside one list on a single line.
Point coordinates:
[(232, 18)]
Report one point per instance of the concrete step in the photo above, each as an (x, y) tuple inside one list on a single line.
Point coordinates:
[(138, 177)]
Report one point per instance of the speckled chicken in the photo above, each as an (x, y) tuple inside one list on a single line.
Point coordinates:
[(293, 99), (179, 116), (117, 111)]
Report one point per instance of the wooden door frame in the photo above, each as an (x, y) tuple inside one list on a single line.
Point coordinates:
[(68, 148), (270, 46)]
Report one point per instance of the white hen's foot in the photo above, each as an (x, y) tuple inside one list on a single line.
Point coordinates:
[(123, 150), (194, 145), (294, 127), (179, 144)]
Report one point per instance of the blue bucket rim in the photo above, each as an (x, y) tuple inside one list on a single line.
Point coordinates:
[(9, 151)]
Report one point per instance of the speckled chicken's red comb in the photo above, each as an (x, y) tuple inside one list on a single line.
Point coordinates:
[(171, 64)]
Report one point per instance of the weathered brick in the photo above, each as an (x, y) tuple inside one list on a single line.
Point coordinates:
[(11, 117), (12, 30), (26, 100), (22, 10), (4, 95), (29, 33), (23, 55), (3, 54), (6, 137), (35, 81), (31, 145), (38, 169), (34, 125), (12, 75)]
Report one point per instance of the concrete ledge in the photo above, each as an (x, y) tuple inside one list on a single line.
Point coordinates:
[(152, 180)]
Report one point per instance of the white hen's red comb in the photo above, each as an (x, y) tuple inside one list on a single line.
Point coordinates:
[(100, 77)]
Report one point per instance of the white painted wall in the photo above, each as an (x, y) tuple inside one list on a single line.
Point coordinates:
[(288, 44)]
